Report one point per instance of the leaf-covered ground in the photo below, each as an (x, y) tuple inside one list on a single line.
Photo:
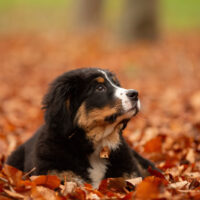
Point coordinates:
[(166, 131)]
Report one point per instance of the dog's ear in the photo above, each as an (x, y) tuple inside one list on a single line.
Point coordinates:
[(56, 102)]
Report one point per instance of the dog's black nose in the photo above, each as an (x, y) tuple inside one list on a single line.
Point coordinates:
[(133, 95)]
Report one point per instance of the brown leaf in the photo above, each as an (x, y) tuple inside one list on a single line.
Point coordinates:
[(194, 184), (117, 185)]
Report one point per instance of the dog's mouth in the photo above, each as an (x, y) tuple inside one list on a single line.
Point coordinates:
[(122, 115), (118, 121), (102, 127)]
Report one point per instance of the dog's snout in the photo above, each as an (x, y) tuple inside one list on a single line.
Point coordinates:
[(132, 95)]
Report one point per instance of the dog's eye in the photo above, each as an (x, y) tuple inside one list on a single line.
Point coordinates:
[(100, 88)]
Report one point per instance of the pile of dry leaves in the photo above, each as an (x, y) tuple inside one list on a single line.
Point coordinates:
[(167, 130)]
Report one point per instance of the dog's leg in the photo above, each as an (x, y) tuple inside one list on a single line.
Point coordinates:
[(67, 176), (144, 164), (16, 159)]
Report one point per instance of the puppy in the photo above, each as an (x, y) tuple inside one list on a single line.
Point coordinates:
[(86, 111)]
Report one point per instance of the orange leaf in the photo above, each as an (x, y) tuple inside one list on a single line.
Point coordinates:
[(89, 188), (129, 196), (103, 187), (154, 145), (149, 188), (13, 175), (43, 193), (4, 198), (78, 195), (158, 174), (14, 194), (50, 181), (87, 185)]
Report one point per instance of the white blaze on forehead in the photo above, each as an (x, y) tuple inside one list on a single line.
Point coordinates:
[(120, 93)]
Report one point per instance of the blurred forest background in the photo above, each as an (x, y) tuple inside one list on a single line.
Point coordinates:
[(35, 15), (152, 45)]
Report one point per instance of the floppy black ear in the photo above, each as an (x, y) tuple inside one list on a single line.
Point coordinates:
[(58, 116)]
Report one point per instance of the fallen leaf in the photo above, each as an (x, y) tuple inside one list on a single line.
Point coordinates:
[(179, 185), (149, 188), (43, 193), (68, 187), (50, 181), (154, 145), (190, 155), (14, 194), (78, 194), (14, 175)]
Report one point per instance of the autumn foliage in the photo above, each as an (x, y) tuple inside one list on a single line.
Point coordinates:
[(166, 131)]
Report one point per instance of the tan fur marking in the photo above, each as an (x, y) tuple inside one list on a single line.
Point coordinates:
[(113, 138), (68, 104), (100, 79), (114, 78), (97, 116), (81, 116), (95, 125), (96, 135), (94, 118), (67, 175)]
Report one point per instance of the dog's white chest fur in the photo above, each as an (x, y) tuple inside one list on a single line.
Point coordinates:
[(98, 164), (98, 168)]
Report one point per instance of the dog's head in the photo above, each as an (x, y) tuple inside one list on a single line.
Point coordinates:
[(90, 99)]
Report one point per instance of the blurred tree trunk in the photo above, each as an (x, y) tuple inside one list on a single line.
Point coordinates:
[(139, 20), (88, 13)]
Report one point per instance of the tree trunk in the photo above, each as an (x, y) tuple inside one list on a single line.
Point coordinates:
[(139, 20), (88, 13)]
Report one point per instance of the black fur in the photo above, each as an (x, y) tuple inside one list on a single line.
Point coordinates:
[(61, 145)]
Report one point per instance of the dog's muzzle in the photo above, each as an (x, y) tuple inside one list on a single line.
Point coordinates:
[(132, 95), (133, 98)]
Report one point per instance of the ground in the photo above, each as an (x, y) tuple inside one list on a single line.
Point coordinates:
[(167, 130)]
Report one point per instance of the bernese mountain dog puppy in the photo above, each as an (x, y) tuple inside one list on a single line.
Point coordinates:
[(86, 111)]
